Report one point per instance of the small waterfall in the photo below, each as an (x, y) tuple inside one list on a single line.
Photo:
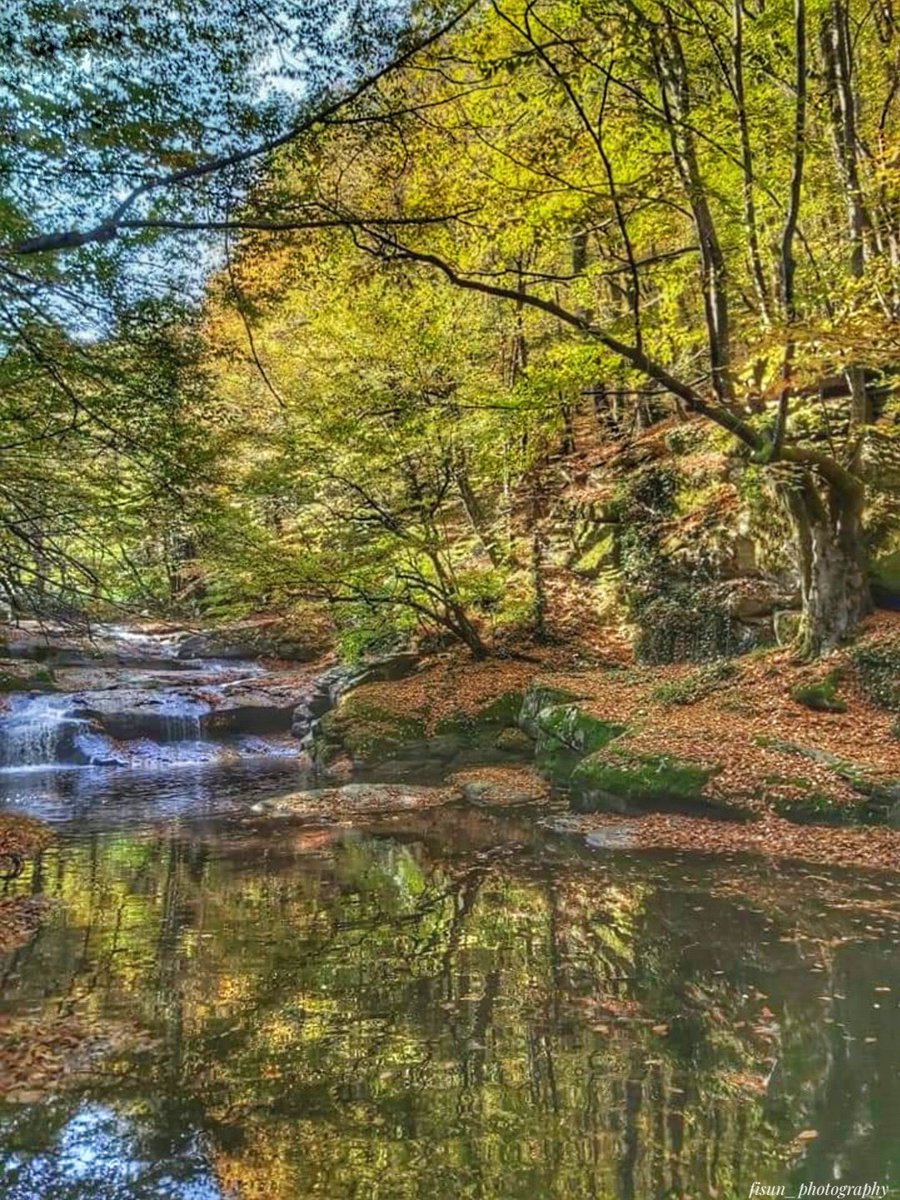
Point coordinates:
[(39, 730), (179, 718)]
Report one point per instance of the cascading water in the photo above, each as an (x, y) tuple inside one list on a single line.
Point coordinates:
[(133, 703), (38, 731)]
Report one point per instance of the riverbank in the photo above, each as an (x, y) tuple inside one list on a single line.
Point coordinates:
[(759, 754)]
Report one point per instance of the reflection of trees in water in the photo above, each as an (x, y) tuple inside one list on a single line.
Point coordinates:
[(369, 1016)]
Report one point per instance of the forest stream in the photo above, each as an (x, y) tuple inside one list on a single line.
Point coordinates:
[(455, 1001)]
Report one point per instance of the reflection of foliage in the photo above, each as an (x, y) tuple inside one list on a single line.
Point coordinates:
[(456, 1024)]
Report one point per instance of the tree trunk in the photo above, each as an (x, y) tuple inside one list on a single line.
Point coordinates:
[(831, 557)]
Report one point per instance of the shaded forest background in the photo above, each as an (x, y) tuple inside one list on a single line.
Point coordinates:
[(516, 322)]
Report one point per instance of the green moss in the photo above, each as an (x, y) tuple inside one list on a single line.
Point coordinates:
[(366, 730), (877, 665), (565, 734), (598, 555), (696, 685), (538, 697), (880, 795), (817, 807), (482, 728), (821, 696), (619, 778), (886, 576)]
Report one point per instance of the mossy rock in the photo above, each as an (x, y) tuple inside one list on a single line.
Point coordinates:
[(821, 695), (620, 779), (817, 808), (786, 625), (877, 665), (696, 685), (880, 796), (599, 554), (366, 731), (483, 727), (565, 734), (370, 732), (538, 697), (513, 741)]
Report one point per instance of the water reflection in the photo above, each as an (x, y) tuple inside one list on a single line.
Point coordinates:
[(446, 1005)]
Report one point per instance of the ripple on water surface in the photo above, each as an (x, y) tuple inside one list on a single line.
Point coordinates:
[(447, 1002)]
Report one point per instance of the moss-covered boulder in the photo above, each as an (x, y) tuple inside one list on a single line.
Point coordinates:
[(365, 731), (370, 730), (821, 694), (565, 734), (483, 727), (879, 794), (621, 779), (538, 697)]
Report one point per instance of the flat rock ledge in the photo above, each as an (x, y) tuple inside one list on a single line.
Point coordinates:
[(359, 799)]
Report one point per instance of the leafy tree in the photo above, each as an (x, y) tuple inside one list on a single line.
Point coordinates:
[(706, 194)]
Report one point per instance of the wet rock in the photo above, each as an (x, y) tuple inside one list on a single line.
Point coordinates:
[(501, 786), (182, 715), (354, 799), (611, 837), (212, 646)]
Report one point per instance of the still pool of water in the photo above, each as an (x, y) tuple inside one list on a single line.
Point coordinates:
[(446, 1004)]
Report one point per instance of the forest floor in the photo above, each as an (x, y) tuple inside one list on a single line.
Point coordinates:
[(801, 776)]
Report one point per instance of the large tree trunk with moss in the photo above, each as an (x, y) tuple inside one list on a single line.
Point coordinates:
[(831, 559)]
